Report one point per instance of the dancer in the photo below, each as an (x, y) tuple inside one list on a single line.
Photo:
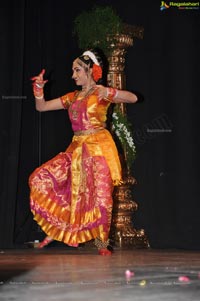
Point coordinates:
[(71, 194)]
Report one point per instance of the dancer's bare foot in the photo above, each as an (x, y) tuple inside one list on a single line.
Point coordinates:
[(105, 252)]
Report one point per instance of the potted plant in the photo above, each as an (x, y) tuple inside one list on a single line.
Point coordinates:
[(93, 27)]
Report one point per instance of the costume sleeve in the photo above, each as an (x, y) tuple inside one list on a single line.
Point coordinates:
[(67, 99)]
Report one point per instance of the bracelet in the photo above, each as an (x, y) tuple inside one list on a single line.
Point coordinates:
[(40, 97), (111, 92)]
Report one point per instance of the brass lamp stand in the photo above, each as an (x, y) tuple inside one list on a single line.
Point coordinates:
[(122, 232)]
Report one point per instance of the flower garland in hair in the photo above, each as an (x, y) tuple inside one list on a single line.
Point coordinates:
[(96, 72), (123, 131), (96, 68)]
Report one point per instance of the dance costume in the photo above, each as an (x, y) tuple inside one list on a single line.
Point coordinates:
[(71, 194)]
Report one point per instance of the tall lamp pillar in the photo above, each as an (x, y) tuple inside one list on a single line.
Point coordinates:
[(122, 232)]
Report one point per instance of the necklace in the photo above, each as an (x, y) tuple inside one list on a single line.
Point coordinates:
[(76, 103), (86, 92)]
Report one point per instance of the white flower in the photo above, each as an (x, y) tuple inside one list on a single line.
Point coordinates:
[(117, 133), (114, 115), (121, 127)]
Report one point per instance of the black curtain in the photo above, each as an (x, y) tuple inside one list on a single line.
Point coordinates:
[(12, 75), (162, 67)]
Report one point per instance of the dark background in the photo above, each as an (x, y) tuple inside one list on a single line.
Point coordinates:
[(163, 67)]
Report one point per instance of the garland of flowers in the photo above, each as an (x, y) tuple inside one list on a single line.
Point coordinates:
[(122, 129)]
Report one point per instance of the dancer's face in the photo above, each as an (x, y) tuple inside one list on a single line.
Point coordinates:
[(80, 74)]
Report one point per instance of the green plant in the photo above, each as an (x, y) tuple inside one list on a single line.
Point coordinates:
[(92, 27)]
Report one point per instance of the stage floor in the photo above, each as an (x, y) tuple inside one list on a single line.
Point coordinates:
[(81, 274)]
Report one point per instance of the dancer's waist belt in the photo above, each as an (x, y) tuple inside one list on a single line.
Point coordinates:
[(88, 132)]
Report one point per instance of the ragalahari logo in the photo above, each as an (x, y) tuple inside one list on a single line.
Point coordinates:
[(164, 5), (179, 5)]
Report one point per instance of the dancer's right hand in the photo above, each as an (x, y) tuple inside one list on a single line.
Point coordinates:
[(38, 85), (39, 78)]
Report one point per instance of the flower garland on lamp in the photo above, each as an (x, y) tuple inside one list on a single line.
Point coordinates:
[(123, 131)]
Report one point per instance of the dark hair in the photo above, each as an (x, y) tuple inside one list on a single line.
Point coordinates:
[(102, 60)]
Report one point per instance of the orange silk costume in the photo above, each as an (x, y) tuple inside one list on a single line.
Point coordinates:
[(71, 194)]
